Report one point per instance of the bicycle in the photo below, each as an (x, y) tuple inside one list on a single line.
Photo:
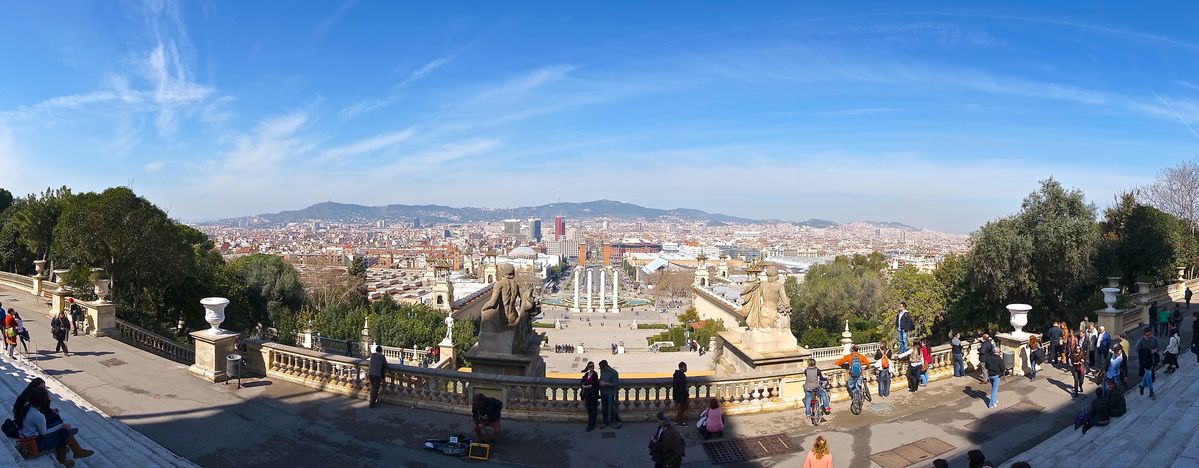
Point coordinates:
[(814, 407), (858, 395)]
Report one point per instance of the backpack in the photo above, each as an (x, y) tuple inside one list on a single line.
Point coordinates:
[(855, 366), (10, 429), (886, 363)]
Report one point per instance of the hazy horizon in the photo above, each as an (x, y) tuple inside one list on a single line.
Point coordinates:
[(943, 118)]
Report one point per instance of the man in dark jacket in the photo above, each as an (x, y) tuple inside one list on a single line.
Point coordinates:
[(1146, 350), (486, 415), (1052, 336), (680, 393), (904, 325), (993, 363), (375, 374), (667, 447)]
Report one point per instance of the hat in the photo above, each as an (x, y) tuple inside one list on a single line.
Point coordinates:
[(70, 299)]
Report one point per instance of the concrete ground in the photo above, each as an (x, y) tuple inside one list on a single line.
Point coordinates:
[(272, 423)]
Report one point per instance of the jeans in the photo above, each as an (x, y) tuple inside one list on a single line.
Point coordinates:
[(884, 382), (609, 409), (903, 341), (959, 365), (853, 383), (924, 376), (1077, 374), (592, 404), (994, 391), (1147, 381), (807, 399)]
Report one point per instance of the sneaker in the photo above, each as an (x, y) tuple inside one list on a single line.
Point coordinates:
[(828, 410), (1142, 390), (1152, 396), (619, 425), (684, 424)]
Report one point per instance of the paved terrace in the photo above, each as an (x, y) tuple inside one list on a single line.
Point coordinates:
[(276, 423)]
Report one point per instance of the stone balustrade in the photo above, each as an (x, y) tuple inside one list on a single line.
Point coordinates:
[(18, 281), (546, 399), (153, 342)]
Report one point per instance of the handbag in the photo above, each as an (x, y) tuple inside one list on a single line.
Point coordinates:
[(703, 420)]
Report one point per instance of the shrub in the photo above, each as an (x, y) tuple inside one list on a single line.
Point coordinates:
[(652, 326), (542, 325), (817, 338), (668, 349)]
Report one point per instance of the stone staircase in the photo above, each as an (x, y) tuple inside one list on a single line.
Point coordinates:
[(116, 444), (1162, 432)]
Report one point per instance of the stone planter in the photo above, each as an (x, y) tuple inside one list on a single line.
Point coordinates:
[(59, 277), (214, 312), (1181, 270), (1113, 281), (39, 266), (1109, 298), (1019, 317), (101, 286)]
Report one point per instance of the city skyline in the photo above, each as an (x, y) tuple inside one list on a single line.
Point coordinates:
[(944, 118)]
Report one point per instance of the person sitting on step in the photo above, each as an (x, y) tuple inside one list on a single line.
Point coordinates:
[(33, 418)]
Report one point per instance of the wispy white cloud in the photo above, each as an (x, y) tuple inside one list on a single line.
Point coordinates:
[(368, 145), (520, 86), (325, 24), (272, 142), (167, 67), (154, 166), (431, 160), (367, 105)]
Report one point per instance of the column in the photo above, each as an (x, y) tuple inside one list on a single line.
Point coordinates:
[(603, 292), (575, 307), (615, 293), (589, 308)]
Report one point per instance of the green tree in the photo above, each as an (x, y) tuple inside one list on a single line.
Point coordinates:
[(924, 295), (273, 292), (15, 255), (358, 267), (832, 292), (690, 315), (37, 218)]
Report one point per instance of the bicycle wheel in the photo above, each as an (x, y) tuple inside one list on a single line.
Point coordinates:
[(856, 406), (816, 413)]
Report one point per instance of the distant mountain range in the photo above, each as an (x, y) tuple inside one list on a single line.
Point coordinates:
[(438, 214)]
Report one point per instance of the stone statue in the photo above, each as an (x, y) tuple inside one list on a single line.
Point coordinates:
[(510, 308), (765, 304), (449, 329)]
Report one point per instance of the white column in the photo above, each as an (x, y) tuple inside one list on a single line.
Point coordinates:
[(575, 307), (603, 292), (615, 292), (589, 308)]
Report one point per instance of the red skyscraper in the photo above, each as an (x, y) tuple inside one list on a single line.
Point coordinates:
[(559, 227)]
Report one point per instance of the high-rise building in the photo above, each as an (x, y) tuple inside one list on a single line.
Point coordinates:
[(512, 228), (559, 227), (535, 226), (415, 223)]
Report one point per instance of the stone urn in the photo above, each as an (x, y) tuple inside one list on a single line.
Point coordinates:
[(1109, 297), (1143, 288), (1019, 314), (214, 312), (1181, 270), (1113, 281), (59, 277), (39, 266), (101, 286)]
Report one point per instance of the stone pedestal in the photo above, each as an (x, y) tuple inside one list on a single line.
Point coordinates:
[(37, 287), (760, 352), (1018, 344), (1122, 320), (101, 318), (211, 350), (58, 302)]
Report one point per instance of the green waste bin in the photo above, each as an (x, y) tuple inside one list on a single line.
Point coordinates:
[(233, 366)]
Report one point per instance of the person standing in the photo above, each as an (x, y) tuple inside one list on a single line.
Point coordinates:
[(3, 320), (589, 388), (1074, 361), (1085, 324), (959, 357), (1146, 348), (1034, 352), (1105, 349), (1163, 322), (994, 367), (819, 456), (375, 374), (1092, 347), (76, 316), (667, 447), (22, 333), (681, 394), (882, 359), (927, 358), (1187, 296), (1125, 346), (1053, 337), (904, 325), (1113, 369), (915, 363), (59, 328), (10, 332), (609, 382)]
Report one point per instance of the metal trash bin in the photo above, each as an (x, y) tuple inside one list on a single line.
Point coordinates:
[(233, 366), (1009, 360)]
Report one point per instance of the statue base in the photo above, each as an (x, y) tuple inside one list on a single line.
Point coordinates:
[(1018, 344), (759, 351), (211, 350), (493, 355)]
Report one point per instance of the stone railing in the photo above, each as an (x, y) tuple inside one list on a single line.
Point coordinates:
[(833, 353), (18, 281), (548, 399), (154, 343)]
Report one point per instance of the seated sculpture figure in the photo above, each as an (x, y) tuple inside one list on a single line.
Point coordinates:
[(510, 308)]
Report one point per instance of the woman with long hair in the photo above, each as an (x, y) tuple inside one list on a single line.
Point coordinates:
[(1076, 361), (32, 419), (60, 327), (819, 456), (22, 333), (1034, 347)]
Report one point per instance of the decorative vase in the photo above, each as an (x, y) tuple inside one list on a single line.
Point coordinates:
[(1181, 270), (1019, 314), (1109, 297), (39, 266), (1113, 281), (214, 314), (59, 277), (101, 289)]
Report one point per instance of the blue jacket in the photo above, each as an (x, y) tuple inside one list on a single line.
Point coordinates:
[(1105, 342)]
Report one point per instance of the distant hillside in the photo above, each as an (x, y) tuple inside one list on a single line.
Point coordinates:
[(342, 212), (891, 224), (816, 223)]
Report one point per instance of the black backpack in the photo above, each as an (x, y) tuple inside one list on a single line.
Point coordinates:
[(10, 429)]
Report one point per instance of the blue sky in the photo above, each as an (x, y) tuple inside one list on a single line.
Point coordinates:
[(943, 115)]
